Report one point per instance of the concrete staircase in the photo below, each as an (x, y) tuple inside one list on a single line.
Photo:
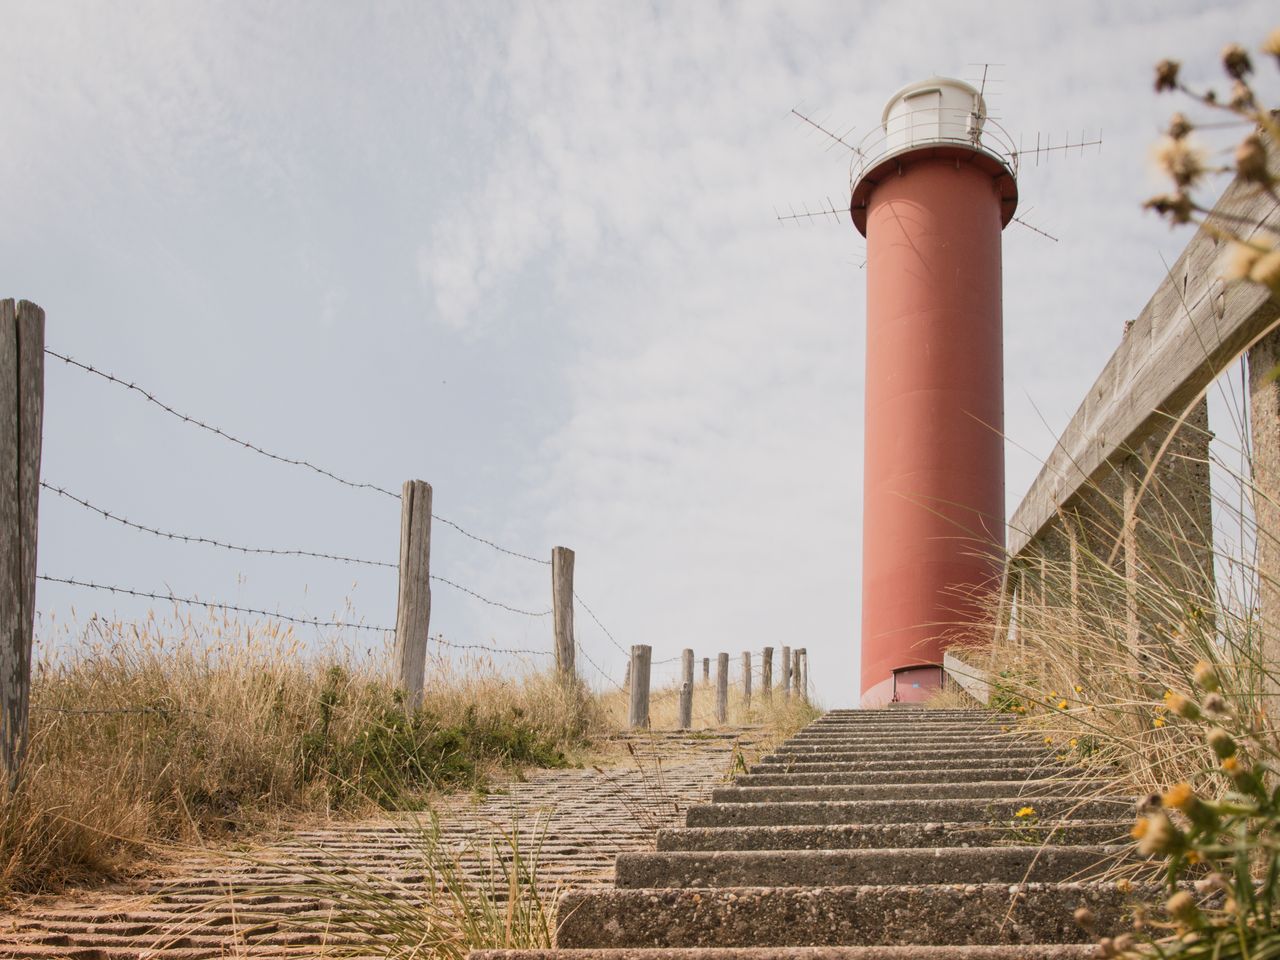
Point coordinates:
[(872, 834)]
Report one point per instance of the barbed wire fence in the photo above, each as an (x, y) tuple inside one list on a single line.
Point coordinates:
[(342, 478), (409, 634)]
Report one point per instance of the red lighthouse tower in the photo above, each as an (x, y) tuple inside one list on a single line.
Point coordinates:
[(932, 198)]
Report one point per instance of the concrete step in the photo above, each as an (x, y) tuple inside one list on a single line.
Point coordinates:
[(893, 736), (878, 743), (847, 868), (930, 775), (909, 753), (1044, 760), (844, 743), (1014, 952), (987, 913), (996, 811), (858, 836), (1044, 787)]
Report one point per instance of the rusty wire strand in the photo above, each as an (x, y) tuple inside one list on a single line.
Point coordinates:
[(292, 461), (621, 649), (306, 621), (268, 551)]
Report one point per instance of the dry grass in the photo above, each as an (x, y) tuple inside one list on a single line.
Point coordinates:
[(780, 716), (178, 729), (1093, 651)]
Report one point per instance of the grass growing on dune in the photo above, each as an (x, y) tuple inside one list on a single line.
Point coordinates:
[(178, 729)]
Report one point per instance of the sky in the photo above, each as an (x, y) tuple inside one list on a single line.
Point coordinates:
[(528, 253)]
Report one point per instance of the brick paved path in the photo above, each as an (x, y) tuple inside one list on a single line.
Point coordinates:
[(213, 906)]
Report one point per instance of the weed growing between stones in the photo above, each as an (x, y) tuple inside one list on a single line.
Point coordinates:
[(485, 893)]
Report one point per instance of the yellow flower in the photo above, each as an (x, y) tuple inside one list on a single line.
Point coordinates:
[(1062, 705), (1026, 812), (1179, 796), (1048, 740), (1074, 742), (1079, 689), (1193, 857), (1158, 722), (1230, 764), (1140, 829)]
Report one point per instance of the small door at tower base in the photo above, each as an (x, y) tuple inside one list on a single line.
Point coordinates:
[(917, 683)]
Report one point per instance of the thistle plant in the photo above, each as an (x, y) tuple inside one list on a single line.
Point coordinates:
[(1219, 839), (1253, 254)]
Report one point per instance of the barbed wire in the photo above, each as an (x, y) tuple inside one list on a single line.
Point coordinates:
[(599, 669), (280, 458), (490, 543), (185, 418), (270, 551), (621, 649), (187, 538), (518, 651), (209, 604), (492, 603), (306, 621)]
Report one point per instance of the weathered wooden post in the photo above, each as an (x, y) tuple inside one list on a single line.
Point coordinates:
[(802, 673), (706, 669), (766, 674), (562, 611), (1264, 424), (21, 423), (413, 608), (722, 689), (641, 656), (786, 673), (746, 680), (686, 689), (795, 673)]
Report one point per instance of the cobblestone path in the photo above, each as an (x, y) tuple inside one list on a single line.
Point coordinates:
[(213, 905)]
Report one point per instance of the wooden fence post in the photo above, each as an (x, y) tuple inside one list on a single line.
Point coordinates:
[(802, 673), (21, 425), (413, 608), (722, 689), (562, 607), (641, 656), (795, 673), (746, 680), (785, 679), (706, 669), (686, 689), (766, 674)]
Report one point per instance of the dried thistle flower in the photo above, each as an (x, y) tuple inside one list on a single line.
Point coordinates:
[(1235, 60), (1167, 75), (1272, 44), (1177, 207), (1179, 126), (1206, 676), (1177, 703), (1220, 743), (1156, 835), (1183, 162), (1182, 905), (1251, 160), (1241, 96), (1214, 703)]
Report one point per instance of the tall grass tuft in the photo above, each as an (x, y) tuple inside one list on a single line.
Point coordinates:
[(175, 729)]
